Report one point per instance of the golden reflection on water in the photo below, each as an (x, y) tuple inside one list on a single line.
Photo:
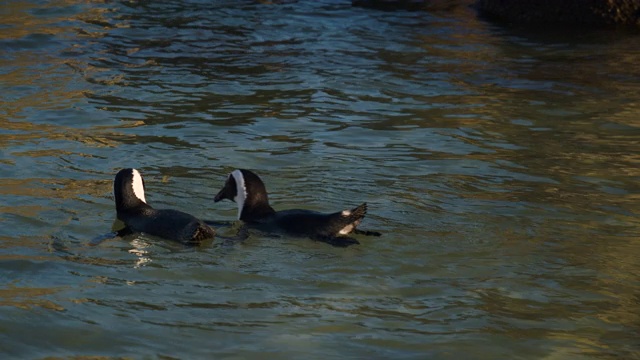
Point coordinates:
[(20, 22), (583, 168), (29, 297), (29, 52), (24, 210), (54, 188), (28, 132), (562, 172)]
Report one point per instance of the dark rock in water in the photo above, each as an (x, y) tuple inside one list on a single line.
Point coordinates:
[(585, 13), (591, 13)]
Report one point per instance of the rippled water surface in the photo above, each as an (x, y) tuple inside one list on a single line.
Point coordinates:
[(502, 166)]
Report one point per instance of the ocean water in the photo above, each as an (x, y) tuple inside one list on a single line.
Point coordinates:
[(501, 165)]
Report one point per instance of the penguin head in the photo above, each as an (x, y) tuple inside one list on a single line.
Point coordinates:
[(246, 189), (128, 188)]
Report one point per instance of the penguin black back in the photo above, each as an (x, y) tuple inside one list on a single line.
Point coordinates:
[(138, 216), (249, 192)]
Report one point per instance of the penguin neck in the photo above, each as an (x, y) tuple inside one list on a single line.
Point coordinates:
[(256, 208), (131, 205)]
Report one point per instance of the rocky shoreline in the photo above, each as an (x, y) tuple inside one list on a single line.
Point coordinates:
[(590, 13)]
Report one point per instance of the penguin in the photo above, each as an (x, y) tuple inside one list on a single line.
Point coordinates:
[(248, 191), (138, 216)]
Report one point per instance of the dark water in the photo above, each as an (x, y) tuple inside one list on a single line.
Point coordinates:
[(502, 166)]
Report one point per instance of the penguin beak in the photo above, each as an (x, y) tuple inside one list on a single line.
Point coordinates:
[(224, 193), (228, 191), (219, 196)]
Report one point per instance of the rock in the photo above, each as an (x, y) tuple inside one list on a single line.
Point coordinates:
[(592, 13)]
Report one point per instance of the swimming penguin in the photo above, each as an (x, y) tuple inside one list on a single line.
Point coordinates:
[(248, 191), (138, 216)]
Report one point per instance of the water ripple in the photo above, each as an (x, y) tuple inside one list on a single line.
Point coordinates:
[(499, 164)]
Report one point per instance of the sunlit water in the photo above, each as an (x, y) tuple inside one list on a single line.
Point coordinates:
[(502, 166)]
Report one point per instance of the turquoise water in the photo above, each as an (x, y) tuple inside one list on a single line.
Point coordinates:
[(500, 164)]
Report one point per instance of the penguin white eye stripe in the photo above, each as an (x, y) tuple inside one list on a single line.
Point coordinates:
[(241, 190), (138, 185)]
